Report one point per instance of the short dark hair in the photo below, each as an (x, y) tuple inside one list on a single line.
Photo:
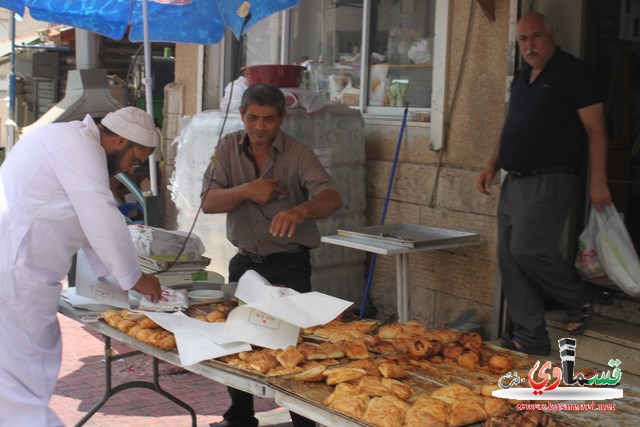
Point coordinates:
[(263, 94)]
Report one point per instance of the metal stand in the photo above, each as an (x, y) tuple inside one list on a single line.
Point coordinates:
[(110, 391)]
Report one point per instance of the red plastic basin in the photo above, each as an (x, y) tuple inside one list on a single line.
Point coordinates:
[(277, 75)]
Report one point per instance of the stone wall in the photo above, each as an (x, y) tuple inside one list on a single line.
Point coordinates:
[(438, 188)]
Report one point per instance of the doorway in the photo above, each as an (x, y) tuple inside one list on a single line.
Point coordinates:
[(612, 48)]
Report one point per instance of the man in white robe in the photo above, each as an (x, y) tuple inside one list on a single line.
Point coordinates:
[(54, 200)]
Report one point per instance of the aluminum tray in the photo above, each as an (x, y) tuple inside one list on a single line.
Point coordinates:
[(408, 235)]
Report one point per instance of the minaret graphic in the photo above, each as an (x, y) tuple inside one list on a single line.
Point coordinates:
[(568, 357)]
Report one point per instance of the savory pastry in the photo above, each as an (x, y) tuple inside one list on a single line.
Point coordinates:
[(341, 375), (397, 388), (468, 359), (262, 362), (465, 407), (124, 325), (452, 351), (290, 357), (375, 344), (496, 407), (385, 411), (313, 374), (372, 386), (346, 399), (216, 316), (392, 370), (427, 411), (500, 363), (330, 350), (147, 323), (355, 349)]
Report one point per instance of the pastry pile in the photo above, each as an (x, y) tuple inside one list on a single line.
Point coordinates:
[(140, 327), (384, 402)]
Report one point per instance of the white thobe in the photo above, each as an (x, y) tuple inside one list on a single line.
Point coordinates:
[(54, 200)]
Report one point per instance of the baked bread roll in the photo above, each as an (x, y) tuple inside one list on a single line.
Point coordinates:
[(125, 325), (215, 316), (146, 323)]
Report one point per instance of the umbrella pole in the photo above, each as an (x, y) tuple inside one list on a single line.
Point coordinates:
[(148, 86)]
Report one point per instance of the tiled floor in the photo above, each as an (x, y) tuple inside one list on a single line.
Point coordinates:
[(81, 385)]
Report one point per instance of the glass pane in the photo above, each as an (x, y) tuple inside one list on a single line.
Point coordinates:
[(401, 53), (326, 35), (262, 42)]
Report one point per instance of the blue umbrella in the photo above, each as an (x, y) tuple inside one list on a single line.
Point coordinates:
[(180, 21)]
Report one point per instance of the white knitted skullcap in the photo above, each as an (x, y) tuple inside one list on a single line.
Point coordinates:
[(133, 124)]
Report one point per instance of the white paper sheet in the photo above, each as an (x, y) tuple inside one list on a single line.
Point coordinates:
[(101, 289), (197, 340), (171, 300), (273, 315), (85, 303)]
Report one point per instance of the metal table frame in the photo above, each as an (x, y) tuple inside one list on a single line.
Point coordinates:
[(402, 260)]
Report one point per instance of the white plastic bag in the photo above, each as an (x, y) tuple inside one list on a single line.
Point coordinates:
[(588, 265), (616, 251)]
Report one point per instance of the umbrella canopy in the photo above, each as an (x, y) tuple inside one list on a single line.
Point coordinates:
[(180, 21)]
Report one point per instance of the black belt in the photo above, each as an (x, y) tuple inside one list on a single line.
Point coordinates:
[(570, 170), (258, 259)]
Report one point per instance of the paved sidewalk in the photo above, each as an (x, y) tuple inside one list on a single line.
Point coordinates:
[(81, 385)]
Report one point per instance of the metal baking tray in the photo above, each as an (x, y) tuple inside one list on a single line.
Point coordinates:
[(408, 235)]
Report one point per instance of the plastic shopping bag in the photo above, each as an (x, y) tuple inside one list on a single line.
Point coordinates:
[(616, 251), (588, 264)]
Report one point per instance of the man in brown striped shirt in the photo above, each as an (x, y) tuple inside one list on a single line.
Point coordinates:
[(272, 188)]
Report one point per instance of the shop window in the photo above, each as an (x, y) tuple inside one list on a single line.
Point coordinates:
[(376, 55)]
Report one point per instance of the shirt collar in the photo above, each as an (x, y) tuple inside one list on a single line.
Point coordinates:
[(277, 144), (91, 124)]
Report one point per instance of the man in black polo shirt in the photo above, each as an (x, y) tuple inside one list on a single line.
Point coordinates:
[(556, 116)]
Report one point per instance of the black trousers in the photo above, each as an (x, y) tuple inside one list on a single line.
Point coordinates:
[(531, 216), (292, 270)]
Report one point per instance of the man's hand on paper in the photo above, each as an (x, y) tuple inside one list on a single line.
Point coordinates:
[(149, 286)]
